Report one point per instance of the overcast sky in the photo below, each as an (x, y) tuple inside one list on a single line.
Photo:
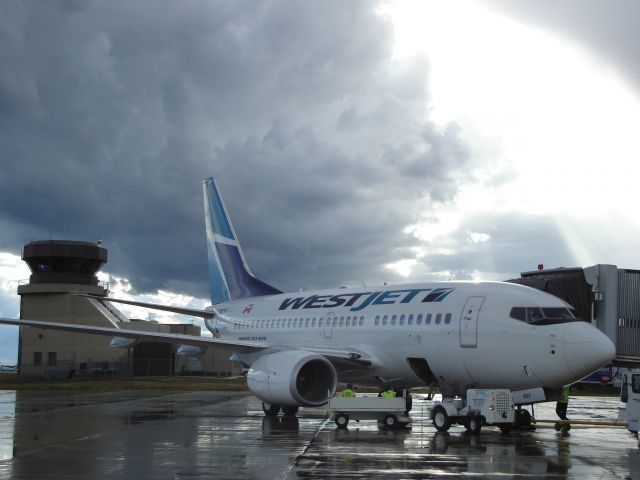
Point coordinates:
[(353, 142)]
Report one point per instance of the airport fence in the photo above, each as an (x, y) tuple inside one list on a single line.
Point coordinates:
[(125, 367)]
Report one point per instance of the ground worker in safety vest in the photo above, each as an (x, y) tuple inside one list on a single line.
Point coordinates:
[(388, 393), (563, 403), (561, 410), (348, 392)]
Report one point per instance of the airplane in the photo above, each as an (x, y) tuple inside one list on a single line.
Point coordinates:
[(453, 336)]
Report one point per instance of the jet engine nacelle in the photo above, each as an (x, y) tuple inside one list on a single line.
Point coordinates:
[(293, 377)]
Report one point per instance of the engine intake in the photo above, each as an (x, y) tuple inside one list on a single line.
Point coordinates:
[(293, 377)]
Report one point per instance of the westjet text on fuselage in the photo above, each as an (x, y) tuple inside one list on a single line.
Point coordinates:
[(360, 300)]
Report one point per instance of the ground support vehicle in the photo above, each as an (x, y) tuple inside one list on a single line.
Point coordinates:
[(630, 395), (479, 407), (391, 412)]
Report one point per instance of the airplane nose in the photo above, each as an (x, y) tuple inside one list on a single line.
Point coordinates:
[(586, 348)]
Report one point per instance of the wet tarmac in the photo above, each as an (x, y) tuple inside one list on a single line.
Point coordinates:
[(202, 435)]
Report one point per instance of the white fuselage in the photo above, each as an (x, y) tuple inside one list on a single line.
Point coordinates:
[(463, 331)]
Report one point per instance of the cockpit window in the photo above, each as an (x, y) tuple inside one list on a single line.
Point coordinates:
[(562, 313), (542, 316), (519, 313)]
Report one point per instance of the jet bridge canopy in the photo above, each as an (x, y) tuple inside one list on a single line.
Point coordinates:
[(605, 295), (568, 284)]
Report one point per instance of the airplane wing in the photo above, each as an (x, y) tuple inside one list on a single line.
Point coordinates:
[(240, 346), (342, 359), (182, 310), (352, 355)]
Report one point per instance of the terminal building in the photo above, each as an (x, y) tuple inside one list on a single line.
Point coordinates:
[(62, 268)]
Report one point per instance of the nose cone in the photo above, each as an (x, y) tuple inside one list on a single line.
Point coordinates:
[(586, 348)]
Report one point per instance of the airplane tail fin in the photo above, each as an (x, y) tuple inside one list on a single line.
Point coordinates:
[(229, 274)]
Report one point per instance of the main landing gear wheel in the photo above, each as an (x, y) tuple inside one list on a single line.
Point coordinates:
[(475, 424), (290, 410), (390, 420), (270, 409), (342, 420), (440, 419)]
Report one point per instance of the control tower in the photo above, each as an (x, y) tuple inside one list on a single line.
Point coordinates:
[(64, 261), (58, 268)]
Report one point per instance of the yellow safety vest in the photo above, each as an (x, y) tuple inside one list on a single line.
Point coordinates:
[(388, 394), (347, 392), (565, 395)]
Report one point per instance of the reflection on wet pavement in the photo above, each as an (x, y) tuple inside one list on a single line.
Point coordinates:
[(225, 435), (370, 451), (7, 415)]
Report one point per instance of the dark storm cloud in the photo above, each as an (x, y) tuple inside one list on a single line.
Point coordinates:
[(608, 28), (112, 113)]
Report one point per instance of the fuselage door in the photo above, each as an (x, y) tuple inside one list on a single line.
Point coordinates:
[(327, 329), (469, 322)]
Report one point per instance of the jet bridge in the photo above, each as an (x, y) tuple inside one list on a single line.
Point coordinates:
[(605, 295)]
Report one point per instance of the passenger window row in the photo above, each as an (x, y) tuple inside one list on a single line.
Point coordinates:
[(346, 321), (410, 319), (337, 321)]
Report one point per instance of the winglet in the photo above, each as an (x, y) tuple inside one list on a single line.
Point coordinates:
[(229, 274)]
